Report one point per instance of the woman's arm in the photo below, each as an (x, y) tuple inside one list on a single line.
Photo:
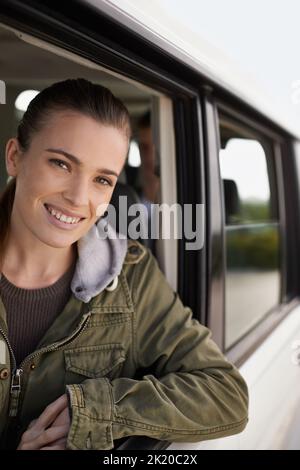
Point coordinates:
[(192, 392)]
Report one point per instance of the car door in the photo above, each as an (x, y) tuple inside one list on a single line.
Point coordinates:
[(254, 311)]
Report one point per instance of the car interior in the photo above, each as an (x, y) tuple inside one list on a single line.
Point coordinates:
[(41, 65)]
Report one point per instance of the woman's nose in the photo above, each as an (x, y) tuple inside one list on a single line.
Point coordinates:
[(77, 193)]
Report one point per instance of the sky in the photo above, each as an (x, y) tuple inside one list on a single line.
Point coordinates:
[(261, 36)]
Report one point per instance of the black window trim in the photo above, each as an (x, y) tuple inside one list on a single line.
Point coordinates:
[(215, 249)]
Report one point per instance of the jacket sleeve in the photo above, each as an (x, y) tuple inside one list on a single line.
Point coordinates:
[(192, 393)]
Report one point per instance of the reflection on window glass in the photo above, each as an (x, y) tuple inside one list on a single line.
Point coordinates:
[(252, 282)]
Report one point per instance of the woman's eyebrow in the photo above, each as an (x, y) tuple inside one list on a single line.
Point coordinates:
[(79, 162)]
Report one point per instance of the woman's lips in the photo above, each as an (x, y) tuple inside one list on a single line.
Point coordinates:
[(59, 223)]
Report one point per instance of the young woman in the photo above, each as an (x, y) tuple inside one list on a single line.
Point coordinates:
[(94, 344)]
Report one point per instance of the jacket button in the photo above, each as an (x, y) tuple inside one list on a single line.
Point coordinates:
[(4, 374), (134, 250), (32, 366), (79, 289)]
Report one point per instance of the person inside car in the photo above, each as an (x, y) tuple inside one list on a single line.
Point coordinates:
[(95, 344)]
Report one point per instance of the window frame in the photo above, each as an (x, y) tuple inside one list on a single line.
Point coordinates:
[(283, 163), (277, 209)]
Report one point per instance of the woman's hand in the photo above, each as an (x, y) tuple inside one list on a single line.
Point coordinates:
[(50, 430)]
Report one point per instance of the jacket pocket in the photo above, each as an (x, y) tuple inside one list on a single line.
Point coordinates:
[(104, 360)]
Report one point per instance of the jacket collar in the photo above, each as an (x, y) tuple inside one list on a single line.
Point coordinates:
[(101, 253)]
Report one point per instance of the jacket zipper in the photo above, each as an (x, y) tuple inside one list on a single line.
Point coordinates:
[(15, 389)]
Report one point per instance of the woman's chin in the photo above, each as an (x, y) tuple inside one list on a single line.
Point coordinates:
[(59, 240)]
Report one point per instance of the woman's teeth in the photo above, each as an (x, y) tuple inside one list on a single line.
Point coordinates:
[(62, 217)]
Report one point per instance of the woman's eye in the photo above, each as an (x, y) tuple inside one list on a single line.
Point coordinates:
[(103, 181), (59, 163)]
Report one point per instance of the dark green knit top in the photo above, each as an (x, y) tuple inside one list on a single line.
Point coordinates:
[(30, 312)]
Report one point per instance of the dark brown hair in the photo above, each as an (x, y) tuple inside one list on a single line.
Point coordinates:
[(77, 95)]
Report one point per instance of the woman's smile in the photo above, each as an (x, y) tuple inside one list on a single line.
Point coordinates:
[(61, 220)]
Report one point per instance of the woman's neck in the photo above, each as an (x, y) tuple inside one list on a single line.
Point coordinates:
[(35, 265)]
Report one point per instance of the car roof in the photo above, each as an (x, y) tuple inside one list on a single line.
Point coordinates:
[(153, 22)]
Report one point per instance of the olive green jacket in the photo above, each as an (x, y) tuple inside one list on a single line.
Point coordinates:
[(132, 360)]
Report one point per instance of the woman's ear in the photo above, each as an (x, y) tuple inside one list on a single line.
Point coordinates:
[(12, 155)]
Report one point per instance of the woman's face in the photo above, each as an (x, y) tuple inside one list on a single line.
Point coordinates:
[(66, 177)]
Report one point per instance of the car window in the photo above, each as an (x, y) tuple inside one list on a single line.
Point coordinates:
[(252, 242), (140, 181)]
